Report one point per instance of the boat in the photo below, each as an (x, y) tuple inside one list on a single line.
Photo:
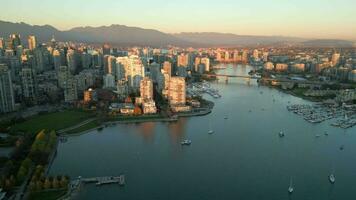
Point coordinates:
[(186, 142), (225, 117), (211, 131), (332, 178), (342, 147), (100, 128), (281, 134), (290, 188), (317, 136)]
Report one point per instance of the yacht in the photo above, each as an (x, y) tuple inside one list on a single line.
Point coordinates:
[(186, 142), (281, 134), (332, 178), (290, 188)]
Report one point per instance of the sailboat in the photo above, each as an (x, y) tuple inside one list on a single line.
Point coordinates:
[(290, 188), (211, 131), (332, 178)]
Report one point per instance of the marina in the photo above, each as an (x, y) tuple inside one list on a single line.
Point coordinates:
[(197, 89), (343, 117)]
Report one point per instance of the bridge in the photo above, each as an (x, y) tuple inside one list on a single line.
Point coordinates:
[(249, 77)]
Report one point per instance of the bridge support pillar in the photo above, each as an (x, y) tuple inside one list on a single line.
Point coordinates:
[(226, 79)]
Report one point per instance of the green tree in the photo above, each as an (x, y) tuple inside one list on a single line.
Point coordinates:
[(39, 185), (63, 182), (32, 186), (21, 174), (55, 183), (47, 184)]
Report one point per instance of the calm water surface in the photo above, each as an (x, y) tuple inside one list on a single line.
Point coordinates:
[(243, 159)]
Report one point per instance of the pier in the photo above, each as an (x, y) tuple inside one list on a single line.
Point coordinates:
[(105, 180)]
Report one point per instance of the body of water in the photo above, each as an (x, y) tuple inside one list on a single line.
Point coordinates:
[(244, 159)]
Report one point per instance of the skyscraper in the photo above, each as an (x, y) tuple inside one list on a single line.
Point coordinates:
[(335, 59), (183, 60), (32, 43), (167, 67), (71, 60), (146, 88), (177, 93), (29, 89), (7, 102)]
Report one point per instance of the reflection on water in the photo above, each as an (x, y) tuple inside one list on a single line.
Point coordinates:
[(177, 130), (147, 131), (244, 159)]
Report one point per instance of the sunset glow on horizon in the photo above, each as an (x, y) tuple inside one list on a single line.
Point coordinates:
[(300, 18)]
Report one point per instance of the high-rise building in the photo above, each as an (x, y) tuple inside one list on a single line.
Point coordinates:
[(85, 79), (63, 75), (206, 62), (70, 90), (122, 89), (32, 43), (7, 102), (29, 85), (2, 43), (71, 61), (183, 60), (335, 59), (146, 88), (109, 81), (15, 40), (57, 59), (177, 91), (86, 60), (167, 67), (227, 56)]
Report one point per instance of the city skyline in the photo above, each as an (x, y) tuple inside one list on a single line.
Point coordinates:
[(316, 19)]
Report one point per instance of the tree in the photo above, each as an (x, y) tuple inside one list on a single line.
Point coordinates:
[(32, 186), (63, 182), (39, 185), (21, 174), (41, 135), (137, 110), (55, 183), (47, 184)]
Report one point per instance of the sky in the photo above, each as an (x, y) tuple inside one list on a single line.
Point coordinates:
[(300, 18)]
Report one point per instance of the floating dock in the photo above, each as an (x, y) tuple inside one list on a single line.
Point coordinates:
[(105, 180)]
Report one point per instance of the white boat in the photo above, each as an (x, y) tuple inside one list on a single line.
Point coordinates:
[(281, 134), (186, 142), (332, 178), (290, 188), (211, 131)]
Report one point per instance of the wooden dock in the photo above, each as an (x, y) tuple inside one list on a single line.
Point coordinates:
[(105, 180)]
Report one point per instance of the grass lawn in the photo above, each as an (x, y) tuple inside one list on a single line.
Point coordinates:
[(299, 91), (49, 195), (85, 127), (51, 121), (141, 117)]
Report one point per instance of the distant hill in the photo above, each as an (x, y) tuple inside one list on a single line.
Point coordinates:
[(328, 43), (114, 34), (44, 33), (120, 34), (130, 36), (228, 39)]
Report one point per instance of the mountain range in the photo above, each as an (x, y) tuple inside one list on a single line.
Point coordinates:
[(121, 35)]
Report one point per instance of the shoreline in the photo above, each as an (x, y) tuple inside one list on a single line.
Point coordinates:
[(203, 111)]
